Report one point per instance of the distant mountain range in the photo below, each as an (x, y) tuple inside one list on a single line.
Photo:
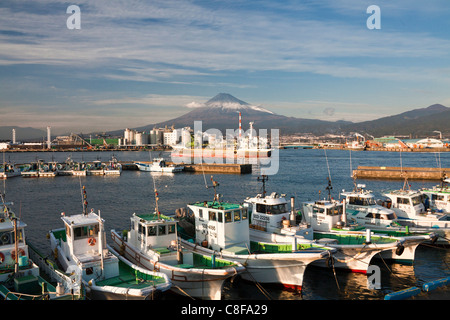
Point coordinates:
[(418, 122), (221, 112)]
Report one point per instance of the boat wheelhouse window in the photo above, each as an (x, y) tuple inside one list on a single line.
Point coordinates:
[(237, 215), (200, 213), (212, 216), (416, 200), (334, 211), (244, 214), (151, 231), (318, 210), (402, 200), (391, 216), (220, 216), (85, 231), (161, 230), (361, 201), (7, 237), (171, 228), (277, 209), (261, 208), (228, 217)]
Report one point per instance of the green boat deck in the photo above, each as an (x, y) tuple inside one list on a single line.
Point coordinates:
[(129, 277)]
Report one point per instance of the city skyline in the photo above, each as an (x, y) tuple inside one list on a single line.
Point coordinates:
[(135, 63)]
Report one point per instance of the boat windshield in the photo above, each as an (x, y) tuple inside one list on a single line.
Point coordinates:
[(271, 209), (362, 201), (416, 200)]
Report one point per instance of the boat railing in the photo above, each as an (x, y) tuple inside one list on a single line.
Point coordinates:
[(71, 284), (19, 296)]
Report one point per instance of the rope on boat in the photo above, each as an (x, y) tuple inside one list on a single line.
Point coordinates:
[(334, 270), (184, 292)]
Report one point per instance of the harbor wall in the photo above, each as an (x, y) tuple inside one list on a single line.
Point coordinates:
[(400, 173)]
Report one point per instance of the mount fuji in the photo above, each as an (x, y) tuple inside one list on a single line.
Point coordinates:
[(221, 112)]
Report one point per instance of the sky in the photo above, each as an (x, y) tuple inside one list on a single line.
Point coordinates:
[(134, 63)]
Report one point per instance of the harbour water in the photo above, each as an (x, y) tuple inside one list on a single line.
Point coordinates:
[(302, 174)]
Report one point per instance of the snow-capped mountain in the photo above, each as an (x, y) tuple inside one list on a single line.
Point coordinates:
[(221, 112)]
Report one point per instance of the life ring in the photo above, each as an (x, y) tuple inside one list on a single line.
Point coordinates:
[(91, 241), (2, 258), (21, 253)]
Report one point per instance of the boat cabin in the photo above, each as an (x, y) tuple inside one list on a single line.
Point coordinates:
[(362, 208), (8, 245), (323, 215), (84, 244), (407, 204), (438, 197), (268, 212), (152, 231), (221, 226)]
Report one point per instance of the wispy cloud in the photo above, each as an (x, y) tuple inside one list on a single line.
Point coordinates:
[(171, 54)]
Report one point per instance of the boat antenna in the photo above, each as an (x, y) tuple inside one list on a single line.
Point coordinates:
[(156, 199), (263, 179), (83, 198), (329, 188), (215, 184)]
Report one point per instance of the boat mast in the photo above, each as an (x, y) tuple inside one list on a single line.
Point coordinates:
[(263, 179)]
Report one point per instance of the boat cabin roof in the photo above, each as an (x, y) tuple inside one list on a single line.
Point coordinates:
[(273, 199), (81, 219), (360, 194), (152, 218), (216, 205), (7, 224)]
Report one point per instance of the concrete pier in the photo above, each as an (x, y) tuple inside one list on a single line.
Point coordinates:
[(219, 168), (397, 173)]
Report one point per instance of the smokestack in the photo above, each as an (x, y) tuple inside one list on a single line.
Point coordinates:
[(49, 139), (240, 126), (292, 215)]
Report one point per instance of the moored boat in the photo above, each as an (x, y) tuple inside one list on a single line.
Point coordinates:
[(222, 229), (8, 170), (159, 165), (152, 243), (81, 248), (20, 277)]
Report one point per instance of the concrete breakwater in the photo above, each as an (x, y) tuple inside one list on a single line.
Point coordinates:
[(234, 168), (400, 173)]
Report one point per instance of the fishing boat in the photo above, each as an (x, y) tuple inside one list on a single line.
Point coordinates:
[(271, 221), (81, 248), (113, 167), (362, 208), (222, 229), (439, 196), (412, 209), (159, 165), (40, 169), (152, 243), (20, 276), (357, 245), (96, 168), (7, 170)]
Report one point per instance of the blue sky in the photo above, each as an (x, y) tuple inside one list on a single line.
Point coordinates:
[(134, 63)]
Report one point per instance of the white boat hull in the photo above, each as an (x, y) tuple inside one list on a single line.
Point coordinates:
[(198, 283), (277, 268)]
